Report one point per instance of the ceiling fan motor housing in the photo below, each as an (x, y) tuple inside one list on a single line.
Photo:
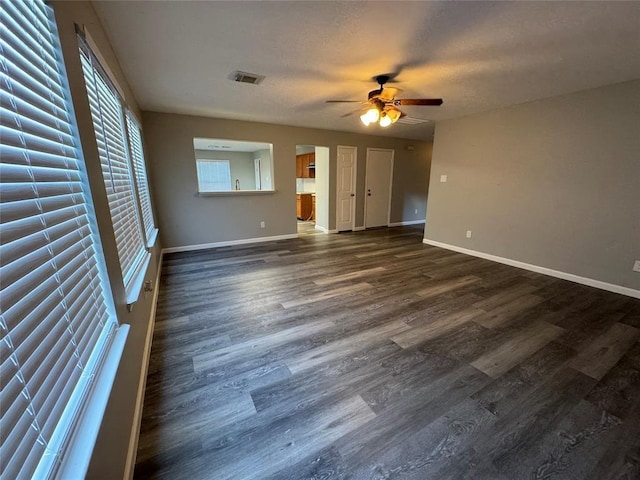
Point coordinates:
[(374, 94)]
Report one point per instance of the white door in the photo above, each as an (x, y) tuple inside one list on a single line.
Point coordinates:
[(346, 204), (378, 187), (256, 165)]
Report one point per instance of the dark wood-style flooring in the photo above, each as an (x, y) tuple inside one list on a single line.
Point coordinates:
[(370, 355)]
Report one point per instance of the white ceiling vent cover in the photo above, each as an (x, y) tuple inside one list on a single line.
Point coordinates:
[(245, 77), (407, 120)]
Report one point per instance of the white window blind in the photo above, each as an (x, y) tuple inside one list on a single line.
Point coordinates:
[(56, 318), (140, 171), (108, 125), (213, 175)]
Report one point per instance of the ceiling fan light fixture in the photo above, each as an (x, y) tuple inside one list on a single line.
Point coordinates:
[(373, 115), (385, 120), (370, 116), (364, 118), (393, 113)]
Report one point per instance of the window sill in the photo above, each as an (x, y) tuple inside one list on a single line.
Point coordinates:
[(232, 193), (135, 285), (151, 241)]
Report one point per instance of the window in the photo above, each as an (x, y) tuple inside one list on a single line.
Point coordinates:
[(56, 315), (140, 173), (108, 125), (213, 175), (247, 167)]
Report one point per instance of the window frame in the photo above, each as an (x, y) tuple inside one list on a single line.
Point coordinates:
[(133, 266), (50, 238), (141, 178)]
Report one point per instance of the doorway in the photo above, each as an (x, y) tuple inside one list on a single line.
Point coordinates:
[(378, 181), (312, 189)]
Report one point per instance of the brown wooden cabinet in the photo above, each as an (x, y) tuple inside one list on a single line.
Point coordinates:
[(298, 166), (304, 206), (306, 165)]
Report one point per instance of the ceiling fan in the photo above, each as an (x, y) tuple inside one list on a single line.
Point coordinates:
[(384, 105)]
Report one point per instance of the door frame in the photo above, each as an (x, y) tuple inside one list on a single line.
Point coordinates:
[(366, 172), (354, 186)]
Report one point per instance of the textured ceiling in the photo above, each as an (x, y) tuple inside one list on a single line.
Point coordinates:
[(477, 56)]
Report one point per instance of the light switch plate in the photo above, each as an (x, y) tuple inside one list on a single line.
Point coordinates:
[(636, 266), (468, 233), (443, 178)]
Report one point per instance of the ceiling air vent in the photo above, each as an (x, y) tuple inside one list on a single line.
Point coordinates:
[(407, 120), (244, 77)]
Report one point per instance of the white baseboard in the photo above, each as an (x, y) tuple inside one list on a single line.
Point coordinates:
[(325, 230), (630, 292), (142, 382), (243, 241), (359, 229), (402, 224)]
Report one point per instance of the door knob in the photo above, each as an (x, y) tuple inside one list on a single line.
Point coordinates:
[(369, 192), (353, 194)]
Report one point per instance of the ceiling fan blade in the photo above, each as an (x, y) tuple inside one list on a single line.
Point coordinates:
[(351, 113), (434, 102), (344, 101)]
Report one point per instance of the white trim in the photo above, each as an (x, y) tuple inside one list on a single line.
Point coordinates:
[(325, 230), (243, 241), (152, 238), (142, 382), (401, 224), (354, 185), (76, 462), (630, 292), (232, 193), (133, 289), (359, 229)]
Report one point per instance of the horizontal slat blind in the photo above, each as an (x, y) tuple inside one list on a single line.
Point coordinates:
[(55, 319), (213, 175), (140, 171), (108, 125)]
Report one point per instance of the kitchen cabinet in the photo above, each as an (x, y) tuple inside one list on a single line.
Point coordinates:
[(306, 165), (304, 206), (298, 166)]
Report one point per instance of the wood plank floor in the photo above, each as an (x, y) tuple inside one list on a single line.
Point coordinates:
[(370, 355)]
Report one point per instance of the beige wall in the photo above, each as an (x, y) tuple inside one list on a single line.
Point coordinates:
[(110, 454), (187, 219), (553, 183)]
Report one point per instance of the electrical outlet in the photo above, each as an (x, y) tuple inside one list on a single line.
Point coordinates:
[(262, 224), (636, 266), (443, 178), (415, 211), (468, 233)]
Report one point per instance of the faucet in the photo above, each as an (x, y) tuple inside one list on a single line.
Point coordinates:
[(237, 184)]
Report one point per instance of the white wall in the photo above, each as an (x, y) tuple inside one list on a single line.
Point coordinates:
[(553, 183), (322, 187)]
